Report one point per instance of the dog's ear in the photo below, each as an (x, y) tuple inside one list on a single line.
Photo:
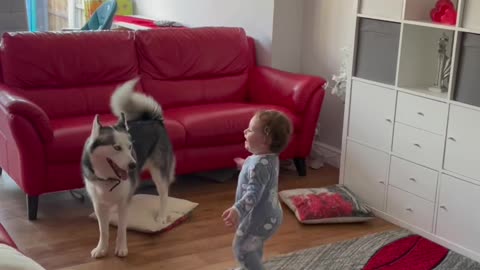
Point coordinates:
[(96, 126), (122, 122)]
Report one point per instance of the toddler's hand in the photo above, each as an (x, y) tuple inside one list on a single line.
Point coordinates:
[(239, 162), (230, 217)]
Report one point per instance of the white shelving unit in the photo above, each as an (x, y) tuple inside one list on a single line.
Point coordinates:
[(413, 154), (382, 9), (470, 20), (419, 10), (418, 57)]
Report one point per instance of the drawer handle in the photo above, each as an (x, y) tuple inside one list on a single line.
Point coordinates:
[(381, 182), (409, 210), (412, 179), (417, 145), (443, 207), (420, 113), (452, 139), (388, 120)]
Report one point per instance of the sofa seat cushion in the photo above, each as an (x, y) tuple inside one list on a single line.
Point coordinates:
[(70, 135), (220, 124)]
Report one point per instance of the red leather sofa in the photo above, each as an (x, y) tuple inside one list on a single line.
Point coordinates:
[(207, 80), (5, 237)]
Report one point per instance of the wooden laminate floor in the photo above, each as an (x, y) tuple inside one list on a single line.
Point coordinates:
[(63, 235)]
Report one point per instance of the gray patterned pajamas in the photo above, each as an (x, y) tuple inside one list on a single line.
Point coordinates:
[(259, 210)]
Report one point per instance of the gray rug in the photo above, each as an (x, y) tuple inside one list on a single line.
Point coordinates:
[(355, 254)]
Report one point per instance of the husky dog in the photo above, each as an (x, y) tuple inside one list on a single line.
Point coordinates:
[(114, 157)]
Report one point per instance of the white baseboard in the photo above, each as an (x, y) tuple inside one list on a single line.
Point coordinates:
[(330, 155)]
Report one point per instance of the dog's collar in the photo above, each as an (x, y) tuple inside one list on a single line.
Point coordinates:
[(110, 179), (90, 174)]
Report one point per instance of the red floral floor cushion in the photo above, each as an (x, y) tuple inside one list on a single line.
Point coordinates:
[(332, 204)]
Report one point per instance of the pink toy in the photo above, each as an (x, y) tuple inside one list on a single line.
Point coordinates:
[(444, 12)]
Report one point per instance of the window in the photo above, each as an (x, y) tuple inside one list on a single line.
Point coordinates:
[(79, 13), (76, 13)]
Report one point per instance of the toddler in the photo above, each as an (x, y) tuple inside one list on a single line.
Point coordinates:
[(257, 213)]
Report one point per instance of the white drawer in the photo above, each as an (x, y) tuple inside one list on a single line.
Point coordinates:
[(413, 178), (366, 172), (457, 217), (418, 146), (422, 113), (410, 208), (462, 147), (372, 109)]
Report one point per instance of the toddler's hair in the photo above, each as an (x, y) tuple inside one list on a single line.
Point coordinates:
[(277, 126)]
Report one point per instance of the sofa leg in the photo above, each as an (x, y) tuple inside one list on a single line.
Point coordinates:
[(301, 165), (32, 207)]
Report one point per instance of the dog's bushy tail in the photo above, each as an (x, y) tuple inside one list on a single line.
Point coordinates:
[(134, 105)]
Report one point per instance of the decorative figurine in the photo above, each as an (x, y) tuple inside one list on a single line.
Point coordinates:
[(443, 67)]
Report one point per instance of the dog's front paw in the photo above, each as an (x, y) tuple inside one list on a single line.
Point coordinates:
[(99, 252), (161, 219), (121, 250)]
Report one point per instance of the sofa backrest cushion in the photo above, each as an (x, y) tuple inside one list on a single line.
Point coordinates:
[(59, 59), (194, 65), (70, 101), (68, 73)]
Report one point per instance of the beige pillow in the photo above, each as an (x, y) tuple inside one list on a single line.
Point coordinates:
[(142, 210), (12, 259)]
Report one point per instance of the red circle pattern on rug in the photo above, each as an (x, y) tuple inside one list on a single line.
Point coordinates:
[(411, 252)]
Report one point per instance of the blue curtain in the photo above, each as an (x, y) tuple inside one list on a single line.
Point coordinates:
[(37, 14), (32, 14)]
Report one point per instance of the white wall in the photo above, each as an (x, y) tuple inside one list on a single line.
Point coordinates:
[(327, 27), (13, 16), (255, 16), (287, 35)]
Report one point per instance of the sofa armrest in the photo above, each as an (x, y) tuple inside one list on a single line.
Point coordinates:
[(310, 120), (302, 94), (294, 91), (11, 104)]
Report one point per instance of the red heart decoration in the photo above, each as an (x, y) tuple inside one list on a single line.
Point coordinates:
[(443, 8), (435, 15), (449, 17), (444, 12)]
